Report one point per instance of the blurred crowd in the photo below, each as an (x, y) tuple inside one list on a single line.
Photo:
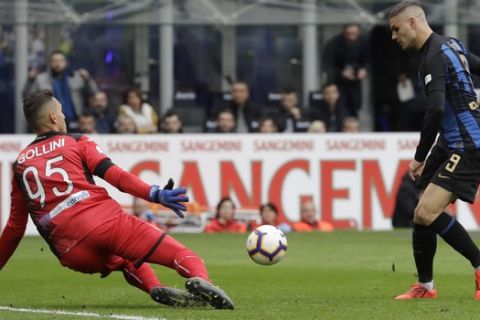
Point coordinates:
[(334, 107), (88, 109), (226, 218)]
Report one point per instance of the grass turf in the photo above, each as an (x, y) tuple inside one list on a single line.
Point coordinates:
[(340, 275)]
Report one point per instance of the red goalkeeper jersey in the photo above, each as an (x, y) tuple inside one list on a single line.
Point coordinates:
[(53, 182)]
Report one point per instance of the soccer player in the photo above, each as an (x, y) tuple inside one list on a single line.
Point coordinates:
[(453, 168), (86, 229)]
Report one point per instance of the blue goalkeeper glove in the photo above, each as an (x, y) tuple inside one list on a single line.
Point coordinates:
[(169, 197)]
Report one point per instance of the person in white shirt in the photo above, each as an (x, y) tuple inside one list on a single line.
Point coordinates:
[(143, 114)]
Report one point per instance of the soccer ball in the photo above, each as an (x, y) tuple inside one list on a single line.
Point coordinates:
[(266, 245)]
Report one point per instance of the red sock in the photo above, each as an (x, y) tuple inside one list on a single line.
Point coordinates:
[(189, 265), (143, 278), (173, 254)]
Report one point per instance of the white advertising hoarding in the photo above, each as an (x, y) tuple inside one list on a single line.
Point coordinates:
[(352, 178)]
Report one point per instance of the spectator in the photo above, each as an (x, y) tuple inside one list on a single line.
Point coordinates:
[(144, 116), (317, 126), (346, 58), (351, 124), (396, 95), (72, 89), (308, 220), (225, 219), (245, 113), (268, 124), (141, 210), (125, 124), (86, 123), (291, 116), (331, 109), (226, 122), (171, 122), (103, 113), (269, 215)]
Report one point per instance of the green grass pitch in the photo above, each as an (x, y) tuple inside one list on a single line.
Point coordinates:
[(340, 275)]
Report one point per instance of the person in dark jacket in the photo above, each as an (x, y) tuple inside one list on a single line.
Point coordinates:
[(247, 115), (346, 57), (331, 109), (291, 117), (104, 114)]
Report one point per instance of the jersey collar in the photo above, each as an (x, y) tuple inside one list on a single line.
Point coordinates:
[(45, 136), (427, 43)]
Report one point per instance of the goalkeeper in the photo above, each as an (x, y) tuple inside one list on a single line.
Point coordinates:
[(85, 228)]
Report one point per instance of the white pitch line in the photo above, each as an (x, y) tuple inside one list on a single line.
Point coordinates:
[(78, 314)]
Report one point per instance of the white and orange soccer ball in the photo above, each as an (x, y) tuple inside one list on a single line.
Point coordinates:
[(266, 245)]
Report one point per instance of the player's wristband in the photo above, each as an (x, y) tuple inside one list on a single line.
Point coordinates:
[(153, 193)]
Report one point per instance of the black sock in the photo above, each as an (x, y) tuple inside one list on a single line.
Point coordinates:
[(457, 237), (424, 243)]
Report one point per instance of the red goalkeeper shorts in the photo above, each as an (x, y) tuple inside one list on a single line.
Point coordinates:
[(108, 247)]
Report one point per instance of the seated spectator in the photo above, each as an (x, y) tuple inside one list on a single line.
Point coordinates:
[(103, 113), (331, 109), (86, 123), (225, 219), (226, 122), (351, 124), (269, 215), (308, 220), (268, 124), (171, 122), (246, 114), (317, 126), (291, 117), (125, 124), (141, 210), (142, 114)]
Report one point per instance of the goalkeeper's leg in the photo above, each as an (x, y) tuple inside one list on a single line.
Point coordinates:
[(140, 242), (91, 255)]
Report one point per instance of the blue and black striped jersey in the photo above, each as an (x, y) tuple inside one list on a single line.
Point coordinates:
[(445, 69)]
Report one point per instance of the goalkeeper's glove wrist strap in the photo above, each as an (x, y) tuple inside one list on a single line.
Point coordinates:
[(153, 192)]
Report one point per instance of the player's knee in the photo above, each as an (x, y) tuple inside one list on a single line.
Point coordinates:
[(421, 215), (425, 214)]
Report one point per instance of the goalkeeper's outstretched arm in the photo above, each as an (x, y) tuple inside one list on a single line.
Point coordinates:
[(16, 225)]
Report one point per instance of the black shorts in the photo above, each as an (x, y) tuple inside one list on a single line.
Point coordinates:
[(455, 171)]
